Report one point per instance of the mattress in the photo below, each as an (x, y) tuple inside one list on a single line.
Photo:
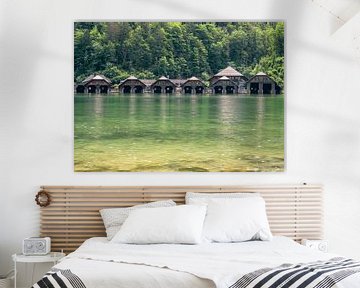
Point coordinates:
[(99, 263)]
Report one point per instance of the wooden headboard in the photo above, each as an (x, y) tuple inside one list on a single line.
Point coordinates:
[(73, 215)]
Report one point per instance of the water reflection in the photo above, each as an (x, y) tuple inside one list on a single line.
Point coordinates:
[(260, 104), (98, 106), (227, 115), (194, 102), (132, 105), (178, 133), (260, 108)]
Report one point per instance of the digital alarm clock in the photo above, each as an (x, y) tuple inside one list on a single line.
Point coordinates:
[(36, 246)]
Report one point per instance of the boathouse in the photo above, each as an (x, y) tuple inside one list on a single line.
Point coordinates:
[(261, 83), (227, 81), (234, 75), (132, 85), (163, 85), (95, 83), (193, 85), (224, 85)]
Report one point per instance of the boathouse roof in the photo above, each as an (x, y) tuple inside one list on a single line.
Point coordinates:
[(133, 79), (95, 77), (163, 78), (262, 74), (229, 71), (223, 78), (193, 79)]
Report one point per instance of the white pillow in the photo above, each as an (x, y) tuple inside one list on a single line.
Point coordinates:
[(236, 220), (113, 218), (180, 224), (203, 198)]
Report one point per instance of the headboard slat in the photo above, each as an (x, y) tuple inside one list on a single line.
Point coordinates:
[(73, 216)]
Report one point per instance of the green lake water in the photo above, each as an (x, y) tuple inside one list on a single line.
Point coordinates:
[(200, 133)]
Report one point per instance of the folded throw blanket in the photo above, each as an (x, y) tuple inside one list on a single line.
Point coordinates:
[(59, 278), (319, 274)]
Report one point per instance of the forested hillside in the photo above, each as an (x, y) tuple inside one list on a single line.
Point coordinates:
[(177, 49)]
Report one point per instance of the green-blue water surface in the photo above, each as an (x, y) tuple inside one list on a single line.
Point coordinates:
[(147, 132)]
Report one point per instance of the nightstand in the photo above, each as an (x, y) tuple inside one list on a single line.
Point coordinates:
[(53, 257), (320, 245)]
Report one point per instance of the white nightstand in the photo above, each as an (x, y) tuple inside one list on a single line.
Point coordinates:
[(53, 257), (320, 245)]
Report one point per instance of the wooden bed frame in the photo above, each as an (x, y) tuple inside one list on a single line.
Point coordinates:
[(73, 215)]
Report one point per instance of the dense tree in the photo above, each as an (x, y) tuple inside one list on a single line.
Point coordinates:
[(177, 49)]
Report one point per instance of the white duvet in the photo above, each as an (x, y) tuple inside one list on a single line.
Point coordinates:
[(100, 263)]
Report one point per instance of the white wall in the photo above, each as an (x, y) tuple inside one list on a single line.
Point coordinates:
[(36, 88)]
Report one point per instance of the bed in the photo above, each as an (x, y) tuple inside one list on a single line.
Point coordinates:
[(293, 210), (99, 263)]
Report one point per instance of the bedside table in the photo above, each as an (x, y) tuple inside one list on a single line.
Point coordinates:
[(320, 245), (53, 257)]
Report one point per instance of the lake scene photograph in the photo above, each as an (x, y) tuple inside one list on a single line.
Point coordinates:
[(179, 97)]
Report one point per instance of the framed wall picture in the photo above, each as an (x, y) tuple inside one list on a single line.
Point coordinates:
[(179, 96)]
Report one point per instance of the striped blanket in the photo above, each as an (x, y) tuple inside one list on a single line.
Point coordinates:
[(59, 278), (320, 274)]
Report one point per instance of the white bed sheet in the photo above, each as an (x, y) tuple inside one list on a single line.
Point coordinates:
[(101, 274), (100, 263)]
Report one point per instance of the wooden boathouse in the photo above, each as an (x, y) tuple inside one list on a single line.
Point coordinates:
[(163, 85), (95, 83), (193, 85), (224, 85), (132, 85), (232, 74), (261, 83)]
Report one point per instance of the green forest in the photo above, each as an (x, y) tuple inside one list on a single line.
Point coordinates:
[(177, 49)]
